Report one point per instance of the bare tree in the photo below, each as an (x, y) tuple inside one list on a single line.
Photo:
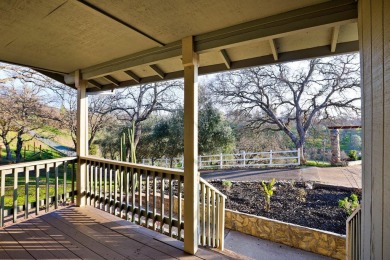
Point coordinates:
[(98, 117), (286, 97), (136, 104), (22, 111)]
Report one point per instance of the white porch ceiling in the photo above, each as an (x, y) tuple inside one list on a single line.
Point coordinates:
[(120, 43)]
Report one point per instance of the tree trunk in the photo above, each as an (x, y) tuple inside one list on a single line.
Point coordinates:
[(19, 146), (301, 154), (9, 152)]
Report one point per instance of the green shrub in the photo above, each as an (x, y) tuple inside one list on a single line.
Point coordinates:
[(226, 184), (352, 155), (268, 191), (93, 149), (349, 204)]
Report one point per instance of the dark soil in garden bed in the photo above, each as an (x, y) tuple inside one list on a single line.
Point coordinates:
[(320, 209)]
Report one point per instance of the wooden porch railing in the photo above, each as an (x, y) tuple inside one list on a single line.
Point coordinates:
[(354, 235), (153, 197), (212, 216), (32, 172)]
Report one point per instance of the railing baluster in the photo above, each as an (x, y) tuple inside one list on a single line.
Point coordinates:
[(65, 193), (15, 204), (218, 216), (47, 170), (111, 168), (37, 191), (55, 185), (154, 199), (162, 201), (147, 198), (2, 193), (115, 188), (170, 204), (88, 184), (101, 169), (95, 187), (203, 217), (180, 204), (127, 192), (73, 179), (213, 217), (121, 182), (133, 189), (105, 169), (208, 215), (140, 196), (26, 189), (221, 223)]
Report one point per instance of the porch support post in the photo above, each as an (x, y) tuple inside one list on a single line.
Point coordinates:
[(82, 137), (374, 40), (191, 175)]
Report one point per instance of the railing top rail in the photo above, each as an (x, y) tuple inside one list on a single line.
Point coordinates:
[(356, 211), (35, 163), (134, 165), (201, 180)]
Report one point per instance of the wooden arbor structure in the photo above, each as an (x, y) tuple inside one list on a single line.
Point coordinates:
[(104, 45)]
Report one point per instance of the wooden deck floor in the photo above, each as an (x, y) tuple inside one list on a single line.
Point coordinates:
[(88, 233)]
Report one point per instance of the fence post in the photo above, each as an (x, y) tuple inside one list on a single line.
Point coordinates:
[(200, 162), (182, 162), (166, 162), (244, 157), (270, 157), (221, 162), (299, 156), (143, 161)]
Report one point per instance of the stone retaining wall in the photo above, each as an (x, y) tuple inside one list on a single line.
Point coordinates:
[(308, 239)]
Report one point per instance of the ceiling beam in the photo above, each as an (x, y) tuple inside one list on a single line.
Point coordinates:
[(116, 19), (133, 75), (335, 37), (322, 51), (159, 72), (273, 48), (225, 58), (328, 14), (112, 80), (95, 84)]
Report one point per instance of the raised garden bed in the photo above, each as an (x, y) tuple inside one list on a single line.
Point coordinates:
[(320, 210)]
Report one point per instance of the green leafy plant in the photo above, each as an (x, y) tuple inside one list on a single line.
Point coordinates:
[(349, 204), (302, 195), (226, 184), (352, 155), (268, 191)]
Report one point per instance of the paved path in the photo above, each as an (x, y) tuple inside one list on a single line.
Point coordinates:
[(350, 176), (260, 249), (56, 146)]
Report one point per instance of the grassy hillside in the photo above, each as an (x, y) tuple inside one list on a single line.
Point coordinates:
[(41, 152)]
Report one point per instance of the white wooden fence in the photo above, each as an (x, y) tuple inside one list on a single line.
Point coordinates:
[(243, 159)]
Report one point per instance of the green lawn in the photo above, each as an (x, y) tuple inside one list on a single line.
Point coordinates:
[(42, 151), (318, 164)]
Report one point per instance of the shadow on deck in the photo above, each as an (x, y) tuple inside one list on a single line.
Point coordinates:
[(89, 233)]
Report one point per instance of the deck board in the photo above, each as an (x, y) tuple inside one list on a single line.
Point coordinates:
[(88, 233)]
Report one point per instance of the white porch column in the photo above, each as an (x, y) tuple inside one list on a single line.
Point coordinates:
[(82, 137), (191, 175), (374, 38)]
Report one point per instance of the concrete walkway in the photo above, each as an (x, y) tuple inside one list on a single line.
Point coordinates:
[(350, 176), (259, 249)]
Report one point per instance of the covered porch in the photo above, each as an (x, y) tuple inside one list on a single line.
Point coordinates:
[(95, 46)]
